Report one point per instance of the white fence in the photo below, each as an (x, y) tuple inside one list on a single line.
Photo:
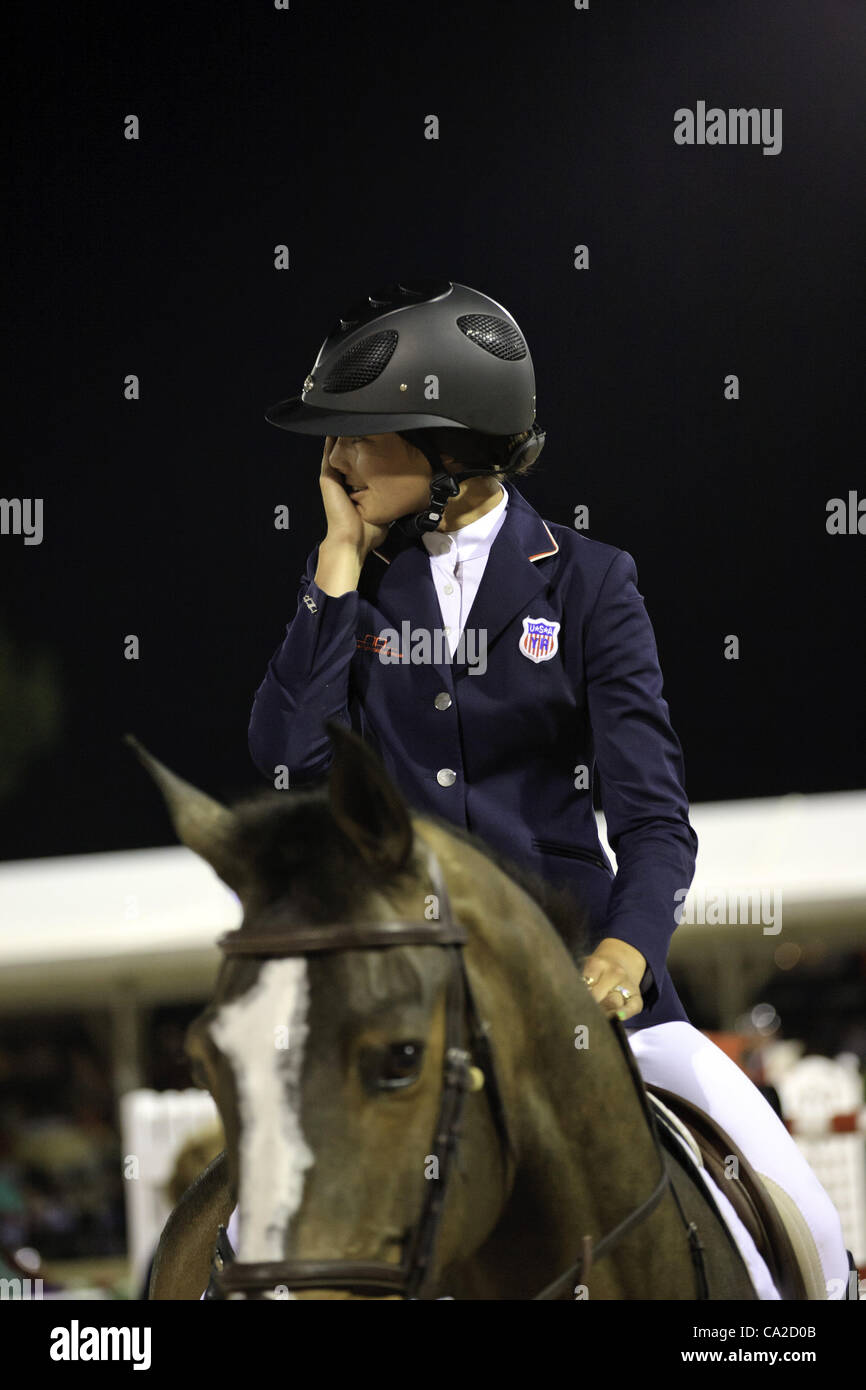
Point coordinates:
[(154, 1127), (822, 1105)]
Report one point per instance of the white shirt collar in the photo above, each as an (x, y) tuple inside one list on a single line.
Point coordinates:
[(468, 542)]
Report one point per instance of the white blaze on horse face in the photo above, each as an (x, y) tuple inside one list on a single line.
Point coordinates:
[(273, 1153)]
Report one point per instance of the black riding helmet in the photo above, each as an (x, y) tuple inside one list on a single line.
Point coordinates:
[(417, 355)]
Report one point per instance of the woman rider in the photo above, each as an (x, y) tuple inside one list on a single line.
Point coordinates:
[(425, 394)]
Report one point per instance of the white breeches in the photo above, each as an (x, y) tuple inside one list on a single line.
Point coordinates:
[(681, 1059)]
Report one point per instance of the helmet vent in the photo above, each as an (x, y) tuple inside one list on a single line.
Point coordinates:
[(494, 335), (362, 363)]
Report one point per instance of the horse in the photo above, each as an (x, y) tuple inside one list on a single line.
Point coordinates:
[(420, 1097)]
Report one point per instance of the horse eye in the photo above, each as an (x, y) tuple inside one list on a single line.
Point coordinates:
[(401, 1064)]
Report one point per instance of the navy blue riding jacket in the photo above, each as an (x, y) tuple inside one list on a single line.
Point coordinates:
[(570, 681)]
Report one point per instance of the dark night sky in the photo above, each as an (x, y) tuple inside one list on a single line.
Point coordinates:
[(306, 127)]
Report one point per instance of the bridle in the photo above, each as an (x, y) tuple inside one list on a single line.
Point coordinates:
[(468, 1065)]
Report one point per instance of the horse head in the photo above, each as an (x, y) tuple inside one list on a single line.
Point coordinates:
[(393, 1023)]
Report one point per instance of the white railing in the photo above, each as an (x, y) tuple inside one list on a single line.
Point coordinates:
[(822, 1105), (154, 1127)]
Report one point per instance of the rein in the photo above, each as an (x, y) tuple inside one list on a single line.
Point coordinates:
[(468, 1065)]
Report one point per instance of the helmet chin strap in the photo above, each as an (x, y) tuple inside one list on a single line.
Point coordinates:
[(443, 487)]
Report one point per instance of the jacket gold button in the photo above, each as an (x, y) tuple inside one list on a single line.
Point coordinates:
[(446, 777), (443, 700)]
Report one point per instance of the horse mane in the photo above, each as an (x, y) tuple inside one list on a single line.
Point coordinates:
[(289, 841)]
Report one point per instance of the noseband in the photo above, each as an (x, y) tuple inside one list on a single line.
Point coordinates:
[(468, 1065)]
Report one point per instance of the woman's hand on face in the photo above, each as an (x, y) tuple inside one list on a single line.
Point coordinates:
[(346, 526), (612, 963)]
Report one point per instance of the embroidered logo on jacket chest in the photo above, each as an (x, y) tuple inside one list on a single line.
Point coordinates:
[(540, 639)]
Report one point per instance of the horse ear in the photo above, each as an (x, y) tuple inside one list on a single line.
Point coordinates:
[(365, 803), (202, 824)]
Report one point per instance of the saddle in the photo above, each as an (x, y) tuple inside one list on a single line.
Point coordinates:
[(772, 1219)]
